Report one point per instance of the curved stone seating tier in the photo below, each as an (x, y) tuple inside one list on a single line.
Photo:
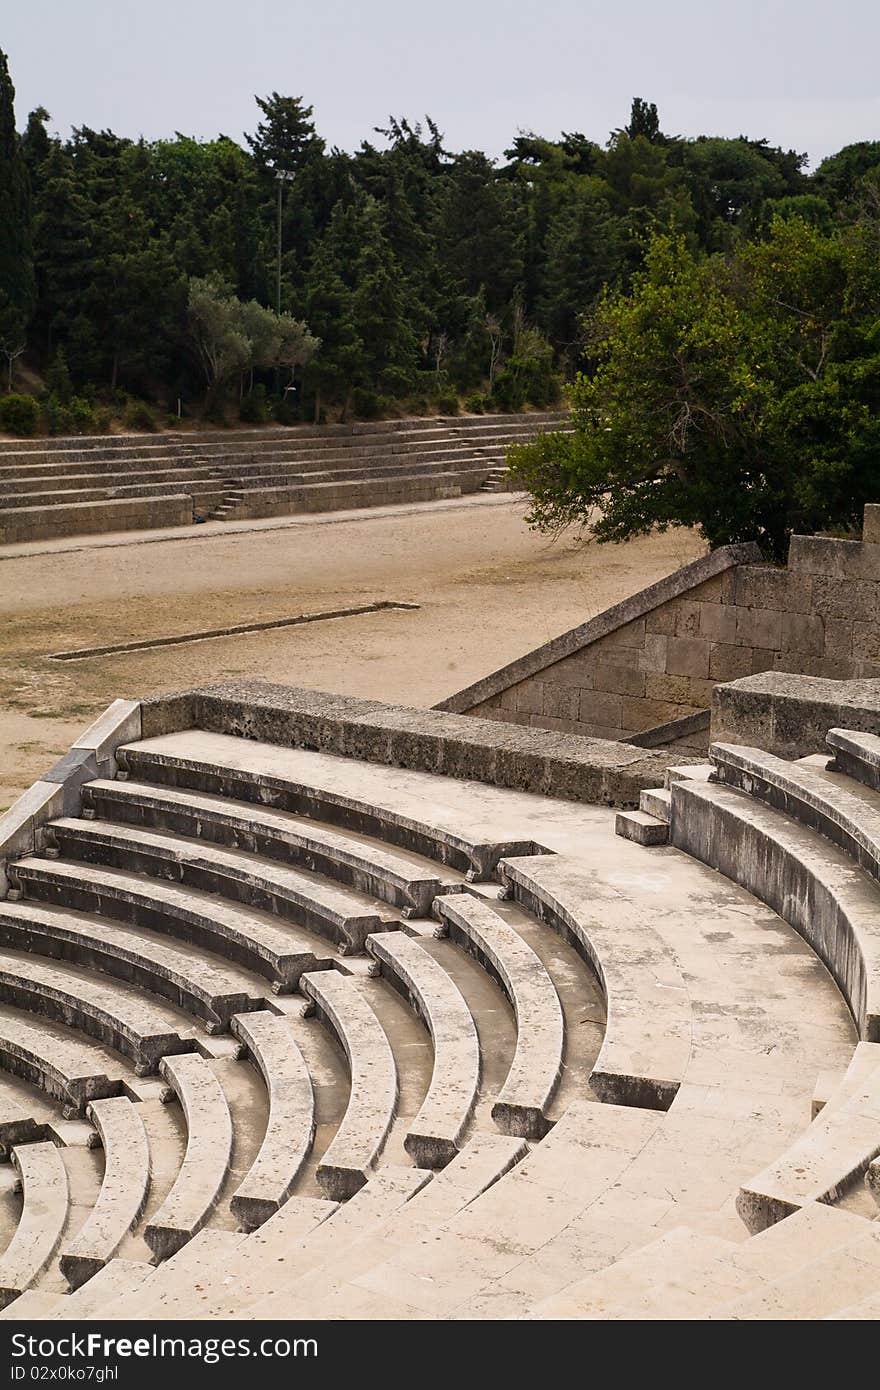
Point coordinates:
[(150, 763), (520, 1107), (647, 1041), (290, 1244), (807, 796), (211, 991), (311, 903), (44, 1212), (435, 1133), (23, 1115), (856, 754), (116, 1278), (807, 880), (829, 1157), (123, 1193), (252, 938), (70, 1071), (206, 1162), (354, 1150), (372, 869), (291, 1124), (121, 1020)]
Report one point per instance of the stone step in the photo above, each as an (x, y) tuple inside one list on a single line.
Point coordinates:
[(656, 803), (647, 1043), (641, 828), (355, 1148), (247, 936), (369, 867), (291, 1125), (435, 1134), (44, 1213), (800, 874), (325, 909), (202, 1174), (523, 1102), (123, 1193)]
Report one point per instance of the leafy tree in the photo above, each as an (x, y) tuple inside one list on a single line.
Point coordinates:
[(738, 396), (230, 337)]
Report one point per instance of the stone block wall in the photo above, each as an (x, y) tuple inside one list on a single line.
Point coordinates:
[(656, 658)]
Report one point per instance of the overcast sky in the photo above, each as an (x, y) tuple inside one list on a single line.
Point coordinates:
[(803, 73)]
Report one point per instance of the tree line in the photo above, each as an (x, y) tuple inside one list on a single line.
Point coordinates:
[(410, 275)]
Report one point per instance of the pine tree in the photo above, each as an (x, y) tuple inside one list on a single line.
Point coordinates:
[(16, 246)]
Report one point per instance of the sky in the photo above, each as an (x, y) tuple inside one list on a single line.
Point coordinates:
[(802, 73)]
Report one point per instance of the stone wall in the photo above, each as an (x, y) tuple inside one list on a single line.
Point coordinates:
[(656, 658)]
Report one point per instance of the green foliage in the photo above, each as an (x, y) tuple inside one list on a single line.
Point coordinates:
[(255, 408), (738, 395), (19, 414), (230, 337), (16, 248), (446, 403), (139, 418), (477, 403)]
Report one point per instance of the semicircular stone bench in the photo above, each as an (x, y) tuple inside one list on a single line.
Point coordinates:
[(801, 875), (124, 1188), (158, 760), (648, 1031), (123, 1021), (353, 1152), (521, 1104), (371, 869), (65, 1068), (290, 1128), (278, 951), (313, 904), (44, 1212), (435, 1133), (210, 990), (202, 1173)]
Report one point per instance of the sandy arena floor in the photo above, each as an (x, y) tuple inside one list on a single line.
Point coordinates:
[(488, 589)]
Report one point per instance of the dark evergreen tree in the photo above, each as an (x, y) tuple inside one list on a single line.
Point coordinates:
[(16, 245)]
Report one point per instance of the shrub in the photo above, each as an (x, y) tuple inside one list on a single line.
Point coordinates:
[(19, 414), (287, 411), (58, 383), (254, 408), (446, 402), (58, 417), (82, 415), (477, 403), (367, 404), (138, 416)]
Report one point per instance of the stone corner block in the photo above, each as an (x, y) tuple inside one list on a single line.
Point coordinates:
[(120, 723)]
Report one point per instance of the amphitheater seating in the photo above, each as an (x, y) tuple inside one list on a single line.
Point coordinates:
[(648, 1035), (123, 1194), (169, 762), (89, 486), (208, 1153), (291, 1124), (382, 1094), (521, 1105), (209, 990), (435, 1134), (273, 834), (44, 1212), (354, 1150)]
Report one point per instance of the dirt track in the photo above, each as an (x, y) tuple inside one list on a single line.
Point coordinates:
[(489, 590)]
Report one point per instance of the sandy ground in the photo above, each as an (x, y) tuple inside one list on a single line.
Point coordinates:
[(489, 590)]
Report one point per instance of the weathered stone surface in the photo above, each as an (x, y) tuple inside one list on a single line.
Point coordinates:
[(521, 1105), (43, 1215), (124, 1188), (290, 1128), (355, 1148), (790, 715), (208, 1155), (435, 1134)]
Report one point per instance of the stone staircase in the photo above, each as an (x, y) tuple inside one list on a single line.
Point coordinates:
[(85, 486)]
